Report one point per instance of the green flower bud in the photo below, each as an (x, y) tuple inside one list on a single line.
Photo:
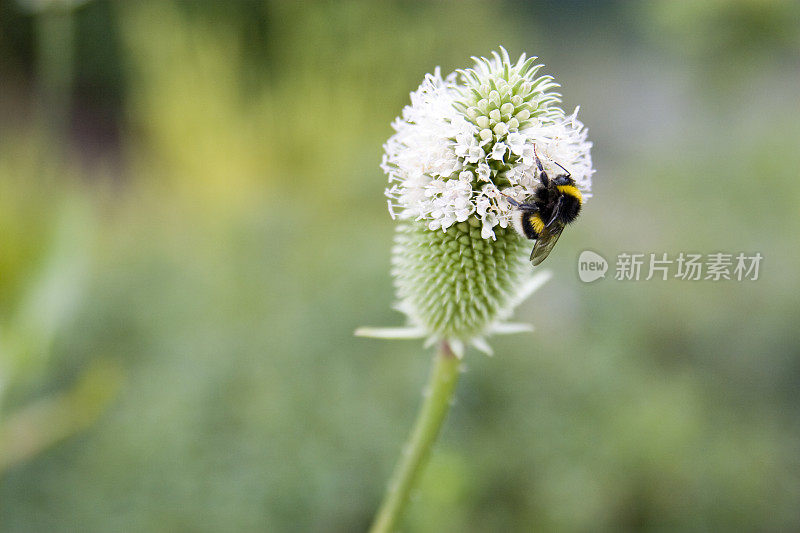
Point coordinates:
[(454, 284)]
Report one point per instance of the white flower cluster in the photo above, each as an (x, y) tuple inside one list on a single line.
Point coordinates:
[(470, 135)]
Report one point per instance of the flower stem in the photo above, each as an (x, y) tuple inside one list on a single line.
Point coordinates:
[(439, 394)]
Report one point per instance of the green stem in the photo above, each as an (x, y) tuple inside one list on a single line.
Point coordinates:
[(439, 395)]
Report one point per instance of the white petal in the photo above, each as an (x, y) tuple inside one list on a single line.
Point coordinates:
[(481, 344), (498, 151), (484, 171), (528, 288), (457, 347), (390, 333), (507, 328)]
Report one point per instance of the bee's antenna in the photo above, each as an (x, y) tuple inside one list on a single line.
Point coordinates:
[(569, 175)]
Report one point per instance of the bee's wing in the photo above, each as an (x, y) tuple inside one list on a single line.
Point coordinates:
[(545, 243)]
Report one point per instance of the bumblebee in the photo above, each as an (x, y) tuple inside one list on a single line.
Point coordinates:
[(554, 203)]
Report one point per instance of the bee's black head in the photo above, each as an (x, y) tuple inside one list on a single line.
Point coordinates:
[(563, 180)]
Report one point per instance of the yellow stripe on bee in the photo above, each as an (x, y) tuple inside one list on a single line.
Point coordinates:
[(571, 190), (536, 223)]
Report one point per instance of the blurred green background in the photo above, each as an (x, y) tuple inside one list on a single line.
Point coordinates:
[(192, 225)]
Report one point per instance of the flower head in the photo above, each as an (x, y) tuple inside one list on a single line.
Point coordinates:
[(466, 143), (478, 127)]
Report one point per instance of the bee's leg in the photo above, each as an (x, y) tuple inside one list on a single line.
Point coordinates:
[(556, 210), (515, 203), (542, 173), (536, 156)]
